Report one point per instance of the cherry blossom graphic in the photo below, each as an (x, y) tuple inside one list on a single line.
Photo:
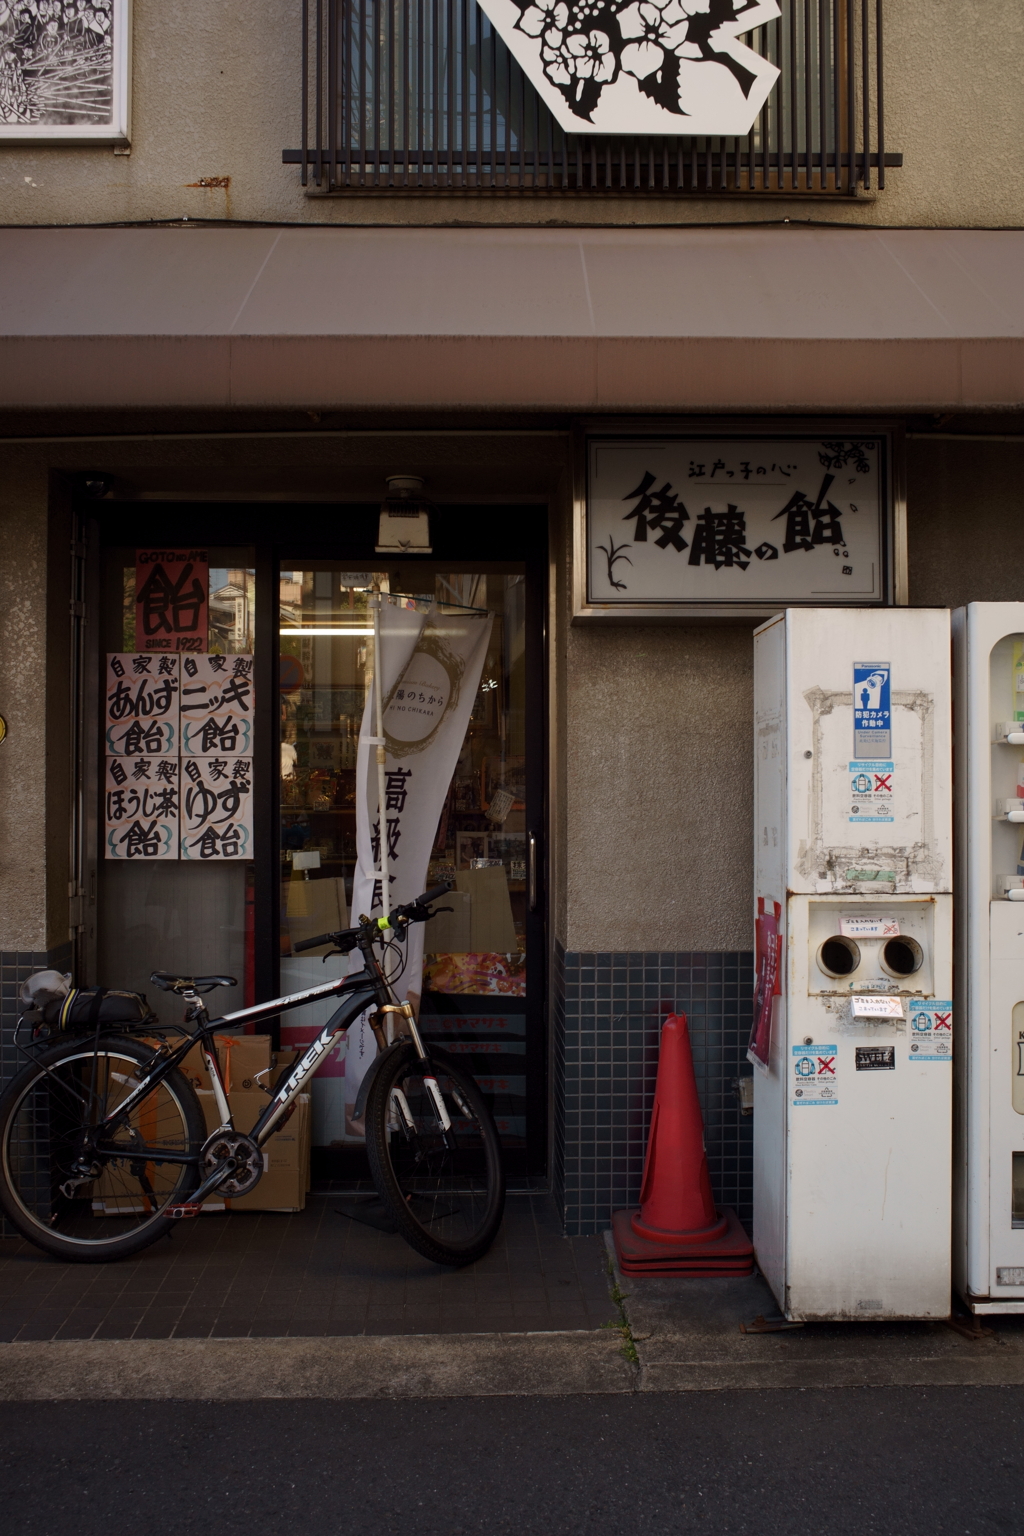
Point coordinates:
[(644, 66)]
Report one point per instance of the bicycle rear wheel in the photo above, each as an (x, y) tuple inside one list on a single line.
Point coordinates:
[(446, 1191), (78, 1198)]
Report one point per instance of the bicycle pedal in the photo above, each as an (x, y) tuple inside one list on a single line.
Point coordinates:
[(183, 1211)]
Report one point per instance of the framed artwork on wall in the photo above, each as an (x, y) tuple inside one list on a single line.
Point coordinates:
[(65, 70)]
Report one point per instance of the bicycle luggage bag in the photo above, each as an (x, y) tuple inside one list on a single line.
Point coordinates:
[(85, 1009)]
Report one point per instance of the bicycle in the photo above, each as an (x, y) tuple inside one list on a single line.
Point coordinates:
[(103, 1144)]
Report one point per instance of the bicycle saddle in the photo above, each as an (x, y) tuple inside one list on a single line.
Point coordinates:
[(168, 982)]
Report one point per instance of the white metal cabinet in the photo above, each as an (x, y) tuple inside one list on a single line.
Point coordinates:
[(989, 1163), (853, 832)]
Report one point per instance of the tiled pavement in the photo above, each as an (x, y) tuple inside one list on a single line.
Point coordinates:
[(314, 1273)]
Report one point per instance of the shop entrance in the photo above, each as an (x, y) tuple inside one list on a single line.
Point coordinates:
[(297, 610)]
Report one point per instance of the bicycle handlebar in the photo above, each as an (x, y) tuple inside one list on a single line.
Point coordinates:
[(434, 894), (346, 939)]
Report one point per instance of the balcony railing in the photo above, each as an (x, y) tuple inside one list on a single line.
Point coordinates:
[(422, 96)]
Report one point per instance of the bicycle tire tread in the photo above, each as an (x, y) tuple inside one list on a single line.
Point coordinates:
[(102, 1251), (386, 1182)]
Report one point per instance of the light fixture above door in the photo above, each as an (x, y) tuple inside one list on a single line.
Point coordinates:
[(404, 518)]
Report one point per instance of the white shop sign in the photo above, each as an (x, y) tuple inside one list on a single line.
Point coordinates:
[(725, 523)]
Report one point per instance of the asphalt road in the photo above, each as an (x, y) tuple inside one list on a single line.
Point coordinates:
[(942, 1461)]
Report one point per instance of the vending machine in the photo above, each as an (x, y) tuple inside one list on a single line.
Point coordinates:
[(988, 1222), (853, 1028)]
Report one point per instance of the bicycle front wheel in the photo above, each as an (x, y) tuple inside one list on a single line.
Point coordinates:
[(445, 1189), (73, 1194)]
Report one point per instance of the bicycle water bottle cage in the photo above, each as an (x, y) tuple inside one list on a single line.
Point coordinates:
[(167, 982)]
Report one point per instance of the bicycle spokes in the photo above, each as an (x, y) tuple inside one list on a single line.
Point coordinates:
[(80, 1184), (441, 1156)]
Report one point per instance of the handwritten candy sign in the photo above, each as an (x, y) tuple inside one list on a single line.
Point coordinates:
[(178, 739)]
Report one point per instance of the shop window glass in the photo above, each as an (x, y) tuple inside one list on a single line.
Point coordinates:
[(475, 964)]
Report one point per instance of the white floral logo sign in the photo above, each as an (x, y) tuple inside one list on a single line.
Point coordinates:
[(641, 66)]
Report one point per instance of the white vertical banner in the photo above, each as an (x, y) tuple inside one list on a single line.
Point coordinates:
[(430, 669)]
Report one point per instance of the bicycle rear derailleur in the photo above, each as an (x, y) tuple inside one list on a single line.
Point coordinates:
[(223, 1146)]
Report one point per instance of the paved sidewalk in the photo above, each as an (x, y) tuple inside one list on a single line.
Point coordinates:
[(309, 1275), (317, 1306), (687, 1337)]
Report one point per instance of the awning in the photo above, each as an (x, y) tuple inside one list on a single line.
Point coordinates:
[(756, 318)]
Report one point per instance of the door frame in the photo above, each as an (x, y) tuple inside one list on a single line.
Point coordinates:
[(482, 529)]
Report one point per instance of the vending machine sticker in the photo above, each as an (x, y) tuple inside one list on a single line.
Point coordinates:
[(871, 787), (931, 1031), (875, 1058), (872, 711), (767, 984), (815, 1074), (869, 927), (877, 1006)]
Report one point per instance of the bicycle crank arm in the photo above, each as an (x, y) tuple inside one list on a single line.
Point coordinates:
[(191, 1207)]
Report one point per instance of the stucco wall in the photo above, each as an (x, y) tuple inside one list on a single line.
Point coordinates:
[(24, 830), (651, 745), (659, 747), (216, 93), (659, 778)]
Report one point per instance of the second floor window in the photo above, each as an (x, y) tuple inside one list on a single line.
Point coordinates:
[(425, 95)]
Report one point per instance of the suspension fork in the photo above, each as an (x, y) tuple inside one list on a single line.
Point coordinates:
[(430, 1082)]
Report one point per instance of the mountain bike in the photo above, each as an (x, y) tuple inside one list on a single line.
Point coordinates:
[(103, 1143)]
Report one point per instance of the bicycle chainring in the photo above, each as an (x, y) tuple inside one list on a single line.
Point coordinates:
[(248, 1159)]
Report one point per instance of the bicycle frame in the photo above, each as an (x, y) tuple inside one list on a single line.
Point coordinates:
[(360, 991)]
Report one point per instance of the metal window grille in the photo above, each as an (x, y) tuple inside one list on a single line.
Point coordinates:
[(422, 96)]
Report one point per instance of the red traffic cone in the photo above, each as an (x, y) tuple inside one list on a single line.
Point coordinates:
[(677, 1230)]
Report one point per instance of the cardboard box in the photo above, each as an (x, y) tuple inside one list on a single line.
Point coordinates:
[(491, 927), (108, 1198), (450, 932), (286, 1155), (313, 907), (246, 1109), (286, 1163), (240, 1058)]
